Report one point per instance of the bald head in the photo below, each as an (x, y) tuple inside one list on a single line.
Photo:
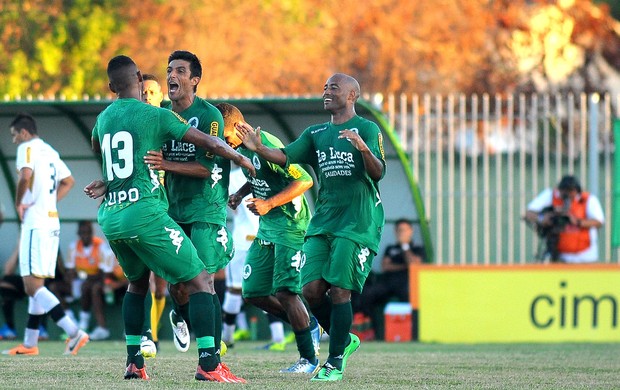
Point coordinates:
[(123, 74), (347, 82)]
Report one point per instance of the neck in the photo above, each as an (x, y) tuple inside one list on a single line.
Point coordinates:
[(183, 104), (134, 93), (339, 118)]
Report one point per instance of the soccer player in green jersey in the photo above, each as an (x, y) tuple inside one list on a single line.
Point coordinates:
[(347, 156), (271, 274), (134, 215), (197, 188)]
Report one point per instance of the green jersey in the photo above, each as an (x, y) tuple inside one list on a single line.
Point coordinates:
[(284, 224), (348, 203), (126, 130), (195, 199)]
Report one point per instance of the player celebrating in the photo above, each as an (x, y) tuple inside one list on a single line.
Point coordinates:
[(344, 233), (134, 214), (271, 275)]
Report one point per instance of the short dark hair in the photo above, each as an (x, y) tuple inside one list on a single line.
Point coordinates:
[(195, 67), (230, 113), (24, 121), (148, 76), (568, 183), (121, 70), (402, 220)]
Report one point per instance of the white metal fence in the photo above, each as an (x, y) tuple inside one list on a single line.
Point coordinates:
[(480, 159)]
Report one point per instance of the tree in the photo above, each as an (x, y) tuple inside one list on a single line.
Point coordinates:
[(52, 47)]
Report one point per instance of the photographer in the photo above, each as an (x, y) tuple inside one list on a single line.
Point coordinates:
[(567, 219)]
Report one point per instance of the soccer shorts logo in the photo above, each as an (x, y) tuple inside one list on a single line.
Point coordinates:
[(298, 260), (363, 257), (247, 271), (176, 238), (222, 237)]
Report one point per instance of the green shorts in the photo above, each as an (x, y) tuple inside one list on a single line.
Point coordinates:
[(213, 242), (161, 247), (339, 261), (270, 268)]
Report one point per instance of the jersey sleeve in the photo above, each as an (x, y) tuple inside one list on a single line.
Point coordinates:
[(173, 125), (24, 158), (292, 171), (300, 150), (214, 126), (374, 141)]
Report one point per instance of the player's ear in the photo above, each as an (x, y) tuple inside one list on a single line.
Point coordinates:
[(111, 87)]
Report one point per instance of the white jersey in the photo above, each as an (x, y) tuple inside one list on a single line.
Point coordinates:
[(48, 170), (245, 222)]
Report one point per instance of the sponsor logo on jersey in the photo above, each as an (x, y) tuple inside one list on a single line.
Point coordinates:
[(381, 146), (247, 271), (118, 197), (193, 121), (294, 172), (319, 129), (256, 162), (378, 199), (175, 236), (213, 130), (363, 257), (179, 117)]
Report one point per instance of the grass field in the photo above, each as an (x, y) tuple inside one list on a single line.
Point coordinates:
[(375, 365)]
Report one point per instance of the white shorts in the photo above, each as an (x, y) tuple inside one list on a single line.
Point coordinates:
[(234, 269), (38, 252)]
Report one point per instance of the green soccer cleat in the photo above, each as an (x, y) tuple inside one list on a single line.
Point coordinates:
[(328, 373), (241, 334), (353, 346)]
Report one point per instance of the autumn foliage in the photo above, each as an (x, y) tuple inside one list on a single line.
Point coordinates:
[(257, 47)]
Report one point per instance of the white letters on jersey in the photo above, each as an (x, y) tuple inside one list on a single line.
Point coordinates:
[(176, 238)]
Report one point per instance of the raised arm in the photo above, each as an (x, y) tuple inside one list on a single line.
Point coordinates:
[(251, 140), (374, 166), (217, 146), (155, 160)]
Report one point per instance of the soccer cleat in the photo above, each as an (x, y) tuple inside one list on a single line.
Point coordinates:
[(241, 334), (133, 372), (22, 350), (328, 373), (180, 332), (302, 366), (289, 338), (148, 349), (6, 333), (354, 344), (220, 374), (99, 333), (273, 346), (316, 333), (223, 348), (75, 343)]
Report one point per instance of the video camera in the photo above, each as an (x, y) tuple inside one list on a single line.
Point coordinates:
[(551, 233)]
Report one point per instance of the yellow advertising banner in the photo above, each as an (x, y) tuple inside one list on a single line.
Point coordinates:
[(530, 303)]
